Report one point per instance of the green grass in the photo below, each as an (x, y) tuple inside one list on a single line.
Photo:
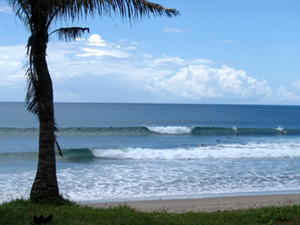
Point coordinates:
[(19, 212)]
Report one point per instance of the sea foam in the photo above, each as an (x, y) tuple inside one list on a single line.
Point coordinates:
[(171, 130), (221, 151), (281, 129)]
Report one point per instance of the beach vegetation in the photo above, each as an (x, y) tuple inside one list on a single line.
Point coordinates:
[(38, 17), (19, 212)]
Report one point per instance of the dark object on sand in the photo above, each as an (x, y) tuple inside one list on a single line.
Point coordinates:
[(41, 220)]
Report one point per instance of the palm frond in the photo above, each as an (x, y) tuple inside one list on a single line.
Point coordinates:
[(78, 9), (70, 33), (33, 95), (58, 148), (31, 99), (131, 9), (22, 10)]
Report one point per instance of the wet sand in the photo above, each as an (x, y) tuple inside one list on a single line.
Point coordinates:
[(206, 204)]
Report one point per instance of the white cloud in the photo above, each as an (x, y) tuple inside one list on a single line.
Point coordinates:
[(185, 79), (5, 9), (135, 43), (100, 48), (102, 52), (12, 59), (297, 85), (147, 56), (96, 40), (172, 30), (168, 59), (225, 41), (284, 95), (97, 70), (202, 81), (12, 79)]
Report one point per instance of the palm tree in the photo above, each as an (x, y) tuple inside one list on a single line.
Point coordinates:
[(38, 16)]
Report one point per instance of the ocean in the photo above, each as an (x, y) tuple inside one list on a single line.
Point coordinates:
[(127, 152)]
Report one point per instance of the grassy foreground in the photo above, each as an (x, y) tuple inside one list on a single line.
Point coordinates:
[(19, 212)]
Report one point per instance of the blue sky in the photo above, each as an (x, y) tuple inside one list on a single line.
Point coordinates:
[(215, 52)]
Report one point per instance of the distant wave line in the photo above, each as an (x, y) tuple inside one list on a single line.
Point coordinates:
[(155, 130)]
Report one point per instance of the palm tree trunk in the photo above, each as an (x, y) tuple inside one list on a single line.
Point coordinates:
[(45, 184)]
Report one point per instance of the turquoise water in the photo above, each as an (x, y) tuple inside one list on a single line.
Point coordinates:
[(130, 151)]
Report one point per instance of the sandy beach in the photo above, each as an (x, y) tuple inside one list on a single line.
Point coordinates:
[(206, 204)]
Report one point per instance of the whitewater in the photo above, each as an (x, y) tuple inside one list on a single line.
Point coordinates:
[(150, 151)]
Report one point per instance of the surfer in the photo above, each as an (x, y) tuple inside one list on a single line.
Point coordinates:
[(236, 129), (283, 131)]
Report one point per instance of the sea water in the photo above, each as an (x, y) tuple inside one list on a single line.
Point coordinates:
[(150, 151)]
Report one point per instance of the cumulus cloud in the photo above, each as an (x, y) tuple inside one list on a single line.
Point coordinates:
[(96, 40), (202, 81)]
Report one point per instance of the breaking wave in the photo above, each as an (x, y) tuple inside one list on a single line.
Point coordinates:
[(219, 151)]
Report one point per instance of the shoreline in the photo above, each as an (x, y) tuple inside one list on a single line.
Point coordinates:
[(208, 204)]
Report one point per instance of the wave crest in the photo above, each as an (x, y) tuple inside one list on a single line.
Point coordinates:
[(171, 130), (221, 151)]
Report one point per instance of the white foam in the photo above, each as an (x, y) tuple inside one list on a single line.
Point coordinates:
[(171, 130), (221, 151), (15, 186), (211, 171), (118, 179), (281, 129), (152, 179)]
